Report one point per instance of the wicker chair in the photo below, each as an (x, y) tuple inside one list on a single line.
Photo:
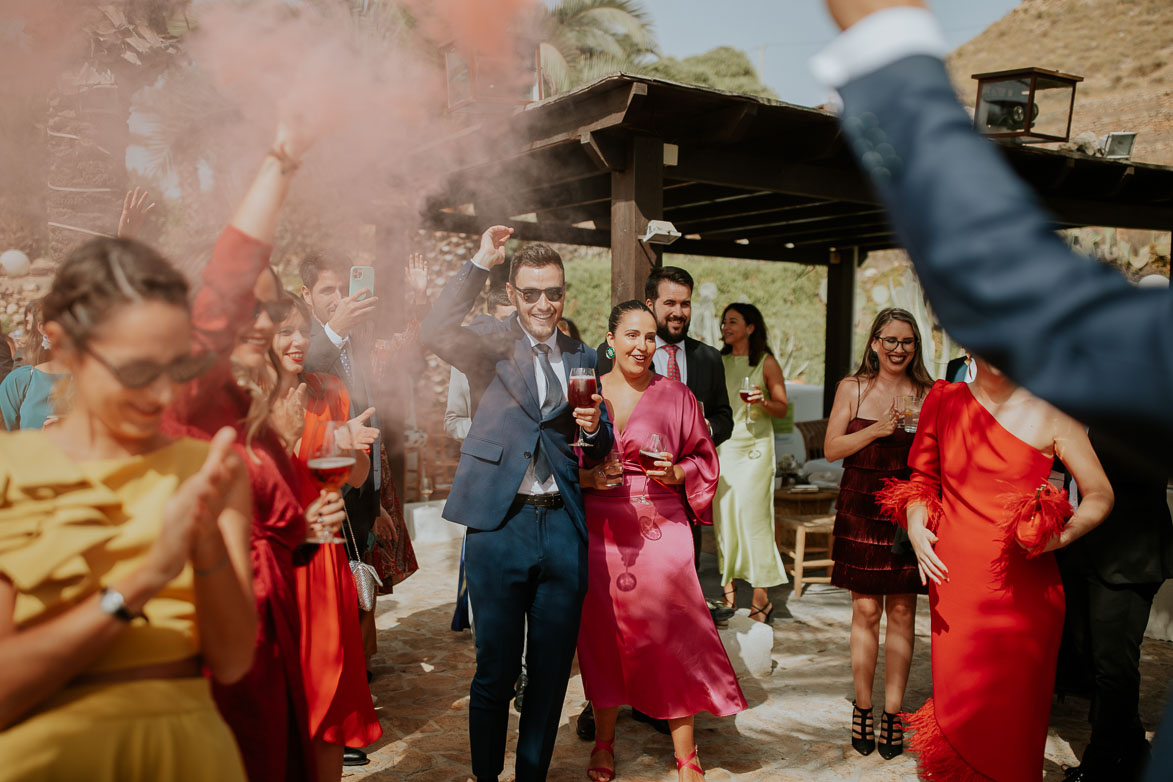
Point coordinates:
[(813, 434)]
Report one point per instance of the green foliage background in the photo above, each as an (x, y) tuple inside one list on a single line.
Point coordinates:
[(787, 294)]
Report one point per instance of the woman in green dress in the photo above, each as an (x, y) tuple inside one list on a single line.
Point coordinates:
[(744, 510)]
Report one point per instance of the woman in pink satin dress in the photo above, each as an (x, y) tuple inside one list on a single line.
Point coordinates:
[(647, 638)]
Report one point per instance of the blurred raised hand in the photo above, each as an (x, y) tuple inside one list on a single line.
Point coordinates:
[(134, 213), (415, 278)]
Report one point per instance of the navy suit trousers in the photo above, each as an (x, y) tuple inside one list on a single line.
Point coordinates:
[(534, 566)]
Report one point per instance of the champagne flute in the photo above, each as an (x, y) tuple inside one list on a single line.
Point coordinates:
[(651, 452), (330, 464), (744, 392), (581, 387)]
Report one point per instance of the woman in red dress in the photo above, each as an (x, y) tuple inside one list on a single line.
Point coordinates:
[(862, 431), (977, 501), (233, 320), (340, 710), (647, 638)]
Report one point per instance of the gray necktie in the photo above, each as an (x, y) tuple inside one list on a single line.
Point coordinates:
[(551, 401)]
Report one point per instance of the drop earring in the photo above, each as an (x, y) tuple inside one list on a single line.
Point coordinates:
[(610, 352)]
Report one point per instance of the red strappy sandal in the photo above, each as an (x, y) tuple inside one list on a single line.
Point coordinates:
[(609, 773), (688, 763)]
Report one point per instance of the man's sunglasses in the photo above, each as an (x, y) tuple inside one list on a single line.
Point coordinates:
[(140, 374), (531, 295)]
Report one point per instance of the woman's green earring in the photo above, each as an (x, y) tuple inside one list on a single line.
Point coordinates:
[(610, 352)]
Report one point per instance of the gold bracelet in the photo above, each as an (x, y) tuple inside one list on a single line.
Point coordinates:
[(288, 164)]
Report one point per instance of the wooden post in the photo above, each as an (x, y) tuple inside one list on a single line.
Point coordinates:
[(840, 321), (637, 196)]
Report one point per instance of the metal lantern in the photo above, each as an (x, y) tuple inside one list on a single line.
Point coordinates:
[(1029, 104), (484, 82)]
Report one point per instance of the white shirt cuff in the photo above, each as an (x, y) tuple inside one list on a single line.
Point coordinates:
[(473, 261), (878, 40), (333, 336)]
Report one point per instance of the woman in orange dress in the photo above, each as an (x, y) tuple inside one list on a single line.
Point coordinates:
[(340, 710), (983, 522)]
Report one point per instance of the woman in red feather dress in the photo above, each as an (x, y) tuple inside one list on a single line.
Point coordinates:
[(983, 520)]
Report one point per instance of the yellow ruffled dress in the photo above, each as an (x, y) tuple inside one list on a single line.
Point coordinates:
[(67, 529)]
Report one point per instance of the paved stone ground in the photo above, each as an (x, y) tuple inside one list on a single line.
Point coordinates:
[(795, 730)]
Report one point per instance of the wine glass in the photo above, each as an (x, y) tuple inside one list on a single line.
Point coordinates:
[(744, 392), (581, 388), (651, 452), (330, 464)]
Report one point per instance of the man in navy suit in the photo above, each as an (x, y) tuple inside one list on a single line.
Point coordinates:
[(517, 490), (1071, 330)]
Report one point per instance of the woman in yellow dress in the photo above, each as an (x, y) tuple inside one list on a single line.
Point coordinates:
[(124, 566), (743, 514)]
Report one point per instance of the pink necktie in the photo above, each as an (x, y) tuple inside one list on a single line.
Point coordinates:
[(673, 367)]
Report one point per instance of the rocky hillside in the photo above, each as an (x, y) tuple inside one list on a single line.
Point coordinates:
[(1124, 51)]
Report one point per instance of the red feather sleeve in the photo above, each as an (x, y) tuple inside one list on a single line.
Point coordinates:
[(896, 496)]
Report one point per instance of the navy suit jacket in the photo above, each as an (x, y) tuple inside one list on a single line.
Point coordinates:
[(508, 425), (1070, 329)]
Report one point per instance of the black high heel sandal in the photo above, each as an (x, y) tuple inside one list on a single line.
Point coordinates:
[(891, 742), (765, 612), (863, 737)]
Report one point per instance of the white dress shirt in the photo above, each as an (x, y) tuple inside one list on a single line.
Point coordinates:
[(530, 483), (660, 359), (878, 40), (333, 336)]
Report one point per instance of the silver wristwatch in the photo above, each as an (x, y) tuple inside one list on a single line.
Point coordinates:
[(114, 604)]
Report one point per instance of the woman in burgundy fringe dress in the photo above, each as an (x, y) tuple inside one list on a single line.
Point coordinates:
[(862, 430)]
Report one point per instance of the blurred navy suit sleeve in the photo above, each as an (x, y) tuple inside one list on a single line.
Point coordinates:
[(1071, 330)]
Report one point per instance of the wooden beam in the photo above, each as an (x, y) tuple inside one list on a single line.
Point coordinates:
[(746, 203), (637, 196), (794, 219), (748, 169), (840, 321), (752, 251), (609, 154), (473, 225), (1114, 214)]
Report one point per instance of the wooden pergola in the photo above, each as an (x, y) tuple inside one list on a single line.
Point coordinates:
[(738, 176)]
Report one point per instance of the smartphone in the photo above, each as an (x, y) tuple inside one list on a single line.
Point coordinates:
[(362, 282)]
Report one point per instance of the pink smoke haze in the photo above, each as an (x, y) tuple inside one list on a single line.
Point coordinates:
[(373, 101)]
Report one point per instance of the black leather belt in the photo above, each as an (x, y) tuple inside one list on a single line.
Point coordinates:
[(540, 500)]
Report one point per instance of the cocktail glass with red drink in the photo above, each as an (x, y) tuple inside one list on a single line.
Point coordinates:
[(580, 391), (330, 464)]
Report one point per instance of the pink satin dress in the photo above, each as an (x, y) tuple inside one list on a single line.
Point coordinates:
[(646, 638)]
